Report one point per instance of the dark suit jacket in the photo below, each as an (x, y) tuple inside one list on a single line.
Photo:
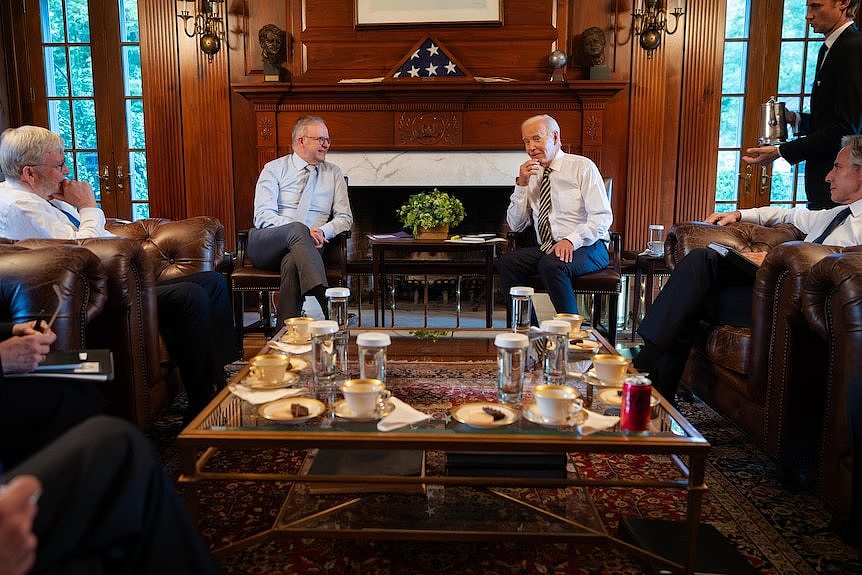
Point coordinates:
[(836, 111)]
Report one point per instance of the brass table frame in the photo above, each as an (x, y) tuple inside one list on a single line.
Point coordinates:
[(219, 426)]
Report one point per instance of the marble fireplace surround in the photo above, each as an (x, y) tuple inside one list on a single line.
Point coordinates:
[(382, 181)]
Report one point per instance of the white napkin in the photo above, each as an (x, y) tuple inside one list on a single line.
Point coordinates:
[(258, 396), (291, 348), (402, 416), (596, 422)]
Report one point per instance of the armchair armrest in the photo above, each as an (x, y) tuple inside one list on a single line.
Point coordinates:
[(26, 289), (176, 248), (742, 236)]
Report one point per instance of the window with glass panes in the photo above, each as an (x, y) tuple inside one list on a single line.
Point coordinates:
[(75, 104), (793, 72)]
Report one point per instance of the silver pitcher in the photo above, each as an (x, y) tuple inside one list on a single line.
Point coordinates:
[(773, 128)]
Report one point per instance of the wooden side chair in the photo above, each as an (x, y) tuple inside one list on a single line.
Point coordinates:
[(246, 279), (603, 285)]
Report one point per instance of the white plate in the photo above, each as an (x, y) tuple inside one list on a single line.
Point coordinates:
[(594, 347), (580, 334), (531, 413), (279, 410), (341, 410), (614, 396), (473, 414), (297, 363), (253, 383)]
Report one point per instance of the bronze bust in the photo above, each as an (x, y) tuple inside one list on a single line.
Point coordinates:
[(593, 43), (271, 39)]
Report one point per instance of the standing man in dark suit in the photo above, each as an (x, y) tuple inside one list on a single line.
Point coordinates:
[(836, 101)]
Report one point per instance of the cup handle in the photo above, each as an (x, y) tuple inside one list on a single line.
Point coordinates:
[(381, 401), (574, 407)]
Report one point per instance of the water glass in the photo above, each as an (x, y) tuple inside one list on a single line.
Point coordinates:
[(372, 355), (556, 350), (323, 360), (337, 307), (522, 308), (511, 366)]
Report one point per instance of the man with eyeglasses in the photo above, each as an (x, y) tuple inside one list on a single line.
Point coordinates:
[(300, 203), (563, 196), (38, 201)]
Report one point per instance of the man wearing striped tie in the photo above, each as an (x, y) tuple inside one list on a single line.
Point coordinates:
[(564, 197), (703, 286)]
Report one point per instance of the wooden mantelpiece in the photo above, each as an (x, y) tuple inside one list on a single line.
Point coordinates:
[(430, 115)]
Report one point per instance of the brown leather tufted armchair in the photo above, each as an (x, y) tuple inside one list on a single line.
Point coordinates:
[(149, 250), (832, 305), (27, 278), (761, 377)]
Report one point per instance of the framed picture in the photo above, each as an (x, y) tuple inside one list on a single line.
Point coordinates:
[(401, 12)]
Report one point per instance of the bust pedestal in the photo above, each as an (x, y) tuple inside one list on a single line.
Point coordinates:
[(272, 72), (600, 73)]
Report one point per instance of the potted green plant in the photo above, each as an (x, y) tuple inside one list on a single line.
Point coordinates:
[(430, 214)]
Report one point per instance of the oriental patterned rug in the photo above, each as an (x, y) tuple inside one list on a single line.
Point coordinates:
[(776, 530)]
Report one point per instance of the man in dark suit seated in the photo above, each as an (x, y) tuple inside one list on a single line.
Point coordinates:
[(704, 286), (96, 500), (37, 201)]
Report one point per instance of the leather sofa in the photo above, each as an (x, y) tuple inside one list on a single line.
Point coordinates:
[(147, 251), (832, 305), (27, 280), (761, 377)]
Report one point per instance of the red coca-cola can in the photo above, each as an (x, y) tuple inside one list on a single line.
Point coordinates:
[(635, 408)]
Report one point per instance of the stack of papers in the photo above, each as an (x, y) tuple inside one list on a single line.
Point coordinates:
[(476, 239)]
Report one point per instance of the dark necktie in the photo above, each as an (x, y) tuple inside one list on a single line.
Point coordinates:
[(75, 221), (836, 221), (821, 55), (545, 212)]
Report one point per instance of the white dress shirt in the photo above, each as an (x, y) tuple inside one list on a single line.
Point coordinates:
[(580, 209), (25, 215), (279, 189), (813, 223)]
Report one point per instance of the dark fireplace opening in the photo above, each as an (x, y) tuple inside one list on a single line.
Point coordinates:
[(374, 212)]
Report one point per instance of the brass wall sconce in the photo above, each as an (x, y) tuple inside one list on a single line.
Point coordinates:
[(651, 22), (207, 22)]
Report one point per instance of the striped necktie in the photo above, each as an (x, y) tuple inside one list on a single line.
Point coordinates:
[(307, 193), (836, 221), (544, 221)]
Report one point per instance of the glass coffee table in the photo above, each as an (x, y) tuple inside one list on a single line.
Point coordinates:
[(433, 504)]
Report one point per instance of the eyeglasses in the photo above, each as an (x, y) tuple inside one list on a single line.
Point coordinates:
[(59, 166), (320, 139)]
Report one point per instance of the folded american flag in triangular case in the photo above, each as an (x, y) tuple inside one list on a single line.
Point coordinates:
[(429, 59)]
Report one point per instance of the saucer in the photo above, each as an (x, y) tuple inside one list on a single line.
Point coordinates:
[(295, 341), (588, 346), (580, 334), (342, 411), (531, 413), (472, 414), (614, 396), (253, 383), (297, 363), (279, 410)]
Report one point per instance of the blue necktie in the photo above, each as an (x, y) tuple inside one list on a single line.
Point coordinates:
[(75, 221), (836, 221)]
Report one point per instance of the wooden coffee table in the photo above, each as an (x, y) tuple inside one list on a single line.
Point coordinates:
[(229, 422)]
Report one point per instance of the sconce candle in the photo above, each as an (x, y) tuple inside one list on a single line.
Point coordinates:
[(651, 23)]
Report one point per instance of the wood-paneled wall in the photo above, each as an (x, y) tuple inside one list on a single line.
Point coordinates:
[(657, 135)]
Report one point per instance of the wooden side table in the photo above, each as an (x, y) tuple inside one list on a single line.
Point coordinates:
[(429, 267), (651, 266)]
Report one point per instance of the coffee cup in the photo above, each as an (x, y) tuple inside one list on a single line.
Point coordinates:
[(365, 397), (298, 328), (269, 368), (611, 368), (557, 402), (575, 320)]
